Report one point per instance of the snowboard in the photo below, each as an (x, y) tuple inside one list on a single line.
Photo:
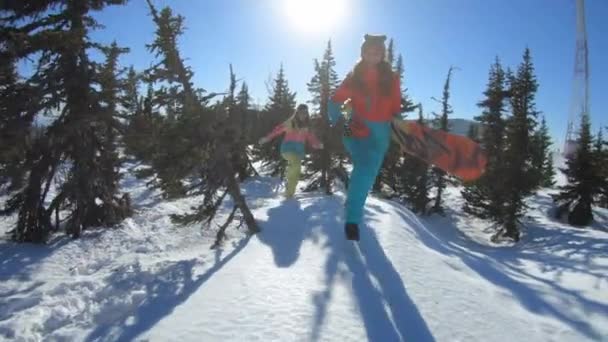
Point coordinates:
[(452, 153)]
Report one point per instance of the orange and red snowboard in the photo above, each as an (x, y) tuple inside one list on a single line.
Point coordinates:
[(452, 153)]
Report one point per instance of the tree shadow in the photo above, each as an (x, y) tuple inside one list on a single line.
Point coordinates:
[(164, 290), (503, 268), (18, 261)]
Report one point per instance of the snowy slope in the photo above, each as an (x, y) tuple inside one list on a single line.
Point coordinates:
[(410, 278)]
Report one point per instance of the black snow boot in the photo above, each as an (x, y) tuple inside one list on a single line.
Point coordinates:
[(352, 231)]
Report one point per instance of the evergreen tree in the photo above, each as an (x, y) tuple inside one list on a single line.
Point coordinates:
[(111, 87), (540, 147), (325, 165), (143, 131), (18, 108), (203, 143), (281, 105), (485, 197), (243, 102), (236, 106), (519, 178), (473, 132), (415, 180), (407, 105), (543, 141), (602, 161), (577, 197), (172, 158), (439, 176), (390, 52), (130, 99), (79, 141)]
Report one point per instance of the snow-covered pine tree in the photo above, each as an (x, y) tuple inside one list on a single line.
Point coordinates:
[(79, 143)]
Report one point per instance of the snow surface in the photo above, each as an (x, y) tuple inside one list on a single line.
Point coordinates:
[(409, 279)]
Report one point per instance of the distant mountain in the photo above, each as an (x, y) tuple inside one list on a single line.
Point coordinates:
[(461, 126)]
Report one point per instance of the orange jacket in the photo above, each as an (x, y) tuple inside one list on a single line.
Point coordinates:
[(372, 104)]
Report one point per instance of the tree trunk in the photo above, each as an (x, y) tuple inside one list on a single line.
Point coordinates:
[(239, 201)]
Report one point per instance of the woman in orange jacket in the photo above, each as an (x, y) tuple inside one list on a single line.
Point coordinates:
[(375, 97)]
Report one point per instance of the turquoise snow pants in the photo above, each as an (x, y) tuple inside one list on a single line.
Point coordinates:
[(367, 155)]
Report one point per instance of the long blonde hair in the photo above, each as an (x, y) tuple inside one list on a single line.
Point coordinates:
[(293, 122)]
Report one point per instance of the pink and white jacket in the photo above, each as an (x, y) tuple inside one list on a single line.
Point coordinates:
[(295, 139)]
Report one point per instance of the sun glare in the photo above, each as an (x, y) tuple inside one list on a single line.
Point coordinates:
[(315, 16)]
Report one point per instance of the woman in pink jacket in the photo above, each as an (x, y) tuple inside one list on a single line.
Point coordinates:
[(297, 133)]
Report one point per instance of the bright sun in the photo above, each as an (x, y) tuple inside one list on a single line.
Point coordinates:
[(315, 16)]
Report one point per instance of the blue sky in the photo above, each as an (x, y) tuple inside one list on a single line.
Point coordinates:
[(256, 36)]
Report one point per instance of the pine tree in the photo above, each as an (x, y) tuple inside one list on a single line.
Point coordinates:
[(17, 108), (414, 178), (79, 142), (236, 106), (323, 166), (203, 143), (439, 176), (577, 197), (281, 105), (473, 132), (111, 86), (484, 198), (143, 131), (540, 144), (172, 153), (543, 141), (129, 98), (519, 178), (243, 103), (390, 52), (602, 161), (407, 105)]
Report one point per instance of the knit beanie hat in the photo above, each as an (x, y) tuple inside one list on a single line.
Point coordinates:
[(373, 40)]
